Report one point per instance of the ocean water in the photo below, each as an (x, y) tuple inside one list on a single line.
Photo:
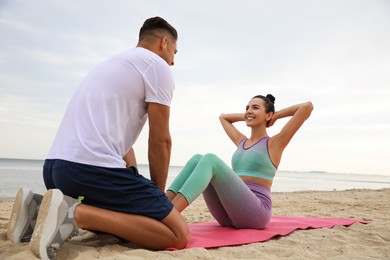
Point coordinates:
[(16, 173)]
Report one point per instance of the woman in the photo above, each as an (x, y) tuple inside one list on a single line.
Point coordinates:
[(241, 197)]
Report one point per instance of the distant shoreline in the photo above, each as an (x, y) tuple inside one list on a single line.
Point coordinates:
[(180, 166)]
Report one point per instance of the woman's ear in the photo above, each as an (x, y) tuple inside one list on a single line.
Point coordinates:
[(270, 122), (269, 116)]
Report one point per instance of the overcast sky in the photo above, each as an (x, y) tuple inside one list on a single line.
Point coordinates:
[(334, 53)]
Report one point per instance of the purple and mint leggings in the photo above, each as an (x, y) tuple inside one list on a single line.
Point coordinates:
[(231, 201)]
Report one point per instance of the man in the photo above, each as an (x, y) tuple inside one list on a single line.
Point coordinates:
[(92, 157)]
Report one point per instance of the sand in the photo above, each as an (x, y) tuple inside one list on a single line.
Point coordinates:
[(358, 241)]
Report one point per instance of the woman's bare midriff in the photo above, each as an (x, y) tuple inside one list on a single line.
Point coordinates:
[(262, 182)]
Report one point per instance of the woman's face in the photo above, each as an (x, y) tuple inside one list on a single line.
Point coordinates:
[(255, 113)]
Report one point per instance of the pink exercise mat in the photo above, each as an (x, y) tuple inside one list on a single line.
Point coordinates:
[(211, 234)]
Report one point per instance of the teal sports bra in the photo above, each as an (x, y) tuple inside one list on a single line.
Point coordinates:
[(254, 161)]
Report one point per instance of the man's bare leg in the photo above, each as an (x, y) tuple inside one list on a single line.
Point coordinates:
[(172, 231)]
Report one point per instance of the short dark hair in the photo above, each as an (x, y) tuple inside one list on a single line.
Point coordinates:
[(157, 23)]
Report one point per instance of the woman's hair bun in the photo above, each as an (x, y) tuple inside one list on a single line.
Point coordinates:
[(271, 98)]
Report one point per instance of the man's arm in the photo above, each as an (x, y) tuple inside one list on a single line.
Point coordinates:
[(160, 142), (129, 158)]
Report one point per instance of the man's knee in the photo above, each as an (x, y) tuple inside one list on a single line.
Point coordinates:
[(180, 229), (182, 238)]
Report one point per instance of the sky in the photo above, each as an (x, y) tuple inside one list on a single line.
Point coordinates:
[(335, 53)]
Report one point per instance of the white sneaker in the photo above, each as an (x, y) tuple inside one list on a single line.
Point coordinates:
[(23, 215), (55, 224)]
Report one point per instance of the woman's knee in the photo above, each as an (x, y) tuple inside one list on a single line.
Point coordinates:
[(217, 164), (211, 158), (196, 157)]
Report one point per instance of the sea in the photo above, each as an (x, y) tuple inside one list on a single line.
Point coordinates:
[(17, 173)]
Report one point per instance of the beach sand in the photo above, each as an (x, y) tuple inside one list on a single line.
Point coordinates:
[(358, 241)]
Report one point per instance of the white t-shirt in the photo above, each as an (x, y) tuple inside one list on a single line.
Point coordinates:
[(108, 111)]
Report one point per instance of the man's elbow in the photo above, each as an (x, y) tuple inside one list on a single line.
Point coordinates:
[(165, 141)]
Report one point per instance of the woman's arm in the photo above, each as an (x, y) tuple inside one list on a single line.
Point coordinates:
[(227, 121), (299, 113)]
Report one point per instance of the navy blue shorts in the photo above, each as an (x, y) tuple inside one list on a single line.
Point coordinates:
[(117, 189)]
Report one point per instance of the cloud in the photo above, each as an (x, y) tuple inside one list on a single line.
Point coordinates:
[(333, 53)]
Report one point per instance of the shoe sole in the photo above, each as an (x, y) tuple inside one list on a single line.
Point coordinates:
[(49, 217), (19, 215)]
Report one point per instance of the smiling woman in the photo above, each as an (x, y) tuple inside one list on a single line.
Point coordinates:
[(247, 202), (255, 105)]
